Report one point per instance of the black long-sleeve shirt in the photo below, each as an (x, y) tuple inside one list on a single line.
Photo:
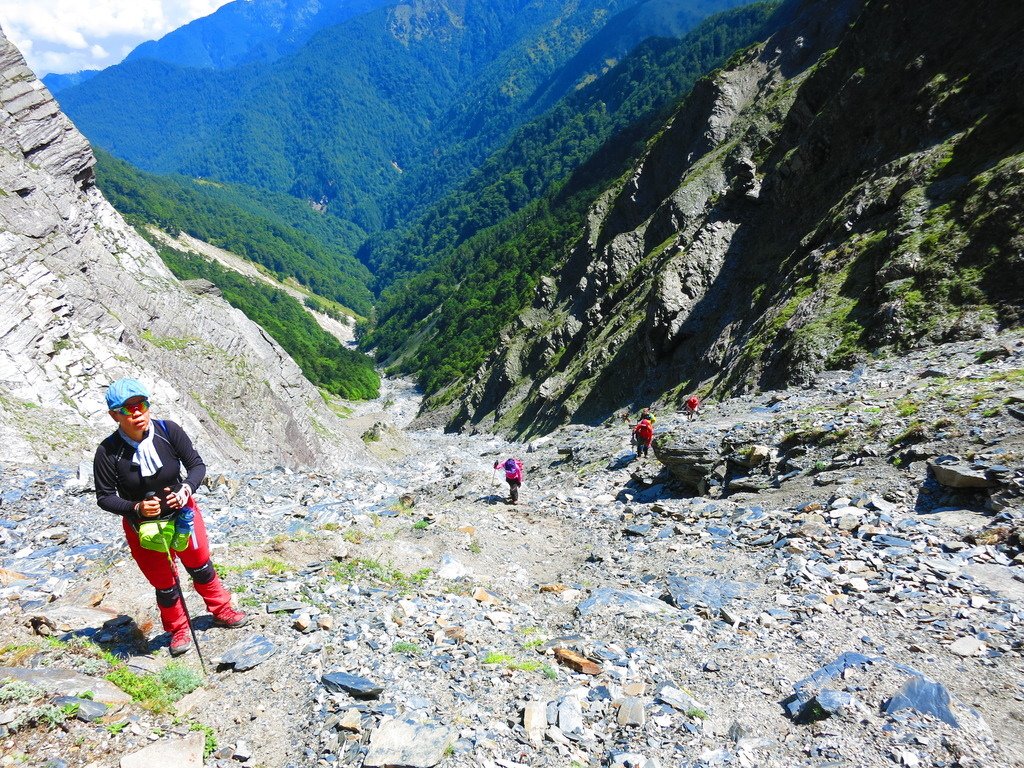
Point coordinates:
[(119, 482)]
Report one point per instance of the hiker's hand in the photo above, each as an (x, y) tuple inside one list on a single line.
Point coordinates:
[(177, 499), (149, 507)]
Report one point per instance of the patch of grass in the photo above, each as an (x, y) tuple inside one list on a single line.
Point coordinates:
[(525, 665), (497, 657), (402, 646), (474, 547), (696, 712), (156, 692), (420, 525), (907, 408), (549, 672), (372, 570), (916, 432), (354, 536)]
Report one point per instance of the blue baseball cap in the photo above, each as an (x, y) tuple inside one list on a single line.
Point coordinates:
[(123, 390)]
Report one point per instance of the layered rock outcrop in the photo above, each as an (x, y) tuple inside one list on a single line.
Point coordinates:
[(85, 300), (852, 185)]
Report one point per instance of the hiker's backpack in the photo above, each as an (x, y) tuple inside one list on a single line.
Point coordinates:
[(693, 403), (644, 430), (514, 470)]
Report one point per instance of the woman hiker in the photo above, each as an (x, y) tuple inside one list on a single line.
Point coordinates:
[(137, 471), (513, 476)]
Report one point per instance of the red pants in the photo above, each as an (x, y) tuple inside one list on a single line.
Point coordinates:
[(196, 558), (154, 565)]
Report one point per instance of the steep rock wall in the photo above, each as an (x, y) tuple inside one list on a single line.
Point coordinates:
[(85, 300), (822, 198)]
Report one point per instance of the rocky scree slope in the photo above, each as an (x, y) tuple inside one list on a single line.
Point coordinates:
[(822, 603), (85, 300), (852, 185)]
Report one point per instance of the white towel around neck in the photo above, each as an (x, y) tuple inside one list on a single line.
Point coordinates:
[(146, 455)]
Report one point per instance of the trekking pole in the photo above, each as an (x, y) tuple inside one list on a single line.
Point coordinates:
[(181, 596)]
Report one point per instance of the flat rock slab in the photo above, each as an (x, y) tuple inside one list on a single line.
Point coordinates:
[(67, 683), (72, 618), (286, 606), (687, 591), (249, 653), (624, 600), (180, 753), (355, 686), (960, 476), (408, 744)]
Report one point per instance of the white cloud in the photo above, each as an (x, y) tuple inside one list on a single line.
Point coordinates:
[(68, 35)]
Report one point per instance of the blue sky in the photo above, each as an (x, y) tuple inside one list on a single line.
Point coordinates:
[(70, 35)]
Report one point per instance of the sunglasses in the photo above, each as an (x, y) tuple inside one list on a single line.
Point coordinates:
[(126, 410)]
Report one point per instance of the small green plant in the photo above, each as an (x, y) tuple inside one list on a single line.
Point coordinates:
[(350, 570), (525, 665), (533, 644), (353, 536), (420, 525), (408, 648), (156, 692), (18, 692), (549, 672), (115, 728), (696, 712), (210, 740), (496, 657), (906, 408), (474, 547)]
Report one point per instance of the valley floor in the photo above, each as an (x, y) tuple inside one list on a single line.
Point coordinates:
[(826, 602)]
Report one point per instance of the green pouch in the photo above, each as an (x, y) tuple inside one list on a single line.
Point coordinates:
[(156, 535)]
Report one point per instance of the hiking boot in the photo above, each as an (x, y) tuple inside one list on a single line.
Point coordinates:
[(181, 641), (229, 617)]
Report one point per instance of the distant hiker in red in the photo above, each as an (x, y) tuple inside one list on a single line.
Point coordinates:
[(513, 476), (643, 434), (692, 404), (138, 476)]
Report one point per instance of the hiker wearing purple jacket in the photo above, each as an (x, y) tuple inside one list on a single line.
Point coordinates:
[(513, 476)]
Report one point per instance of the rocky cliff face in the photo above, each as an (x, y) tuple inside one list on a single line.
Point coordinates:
[(85, 300), (853, 185)]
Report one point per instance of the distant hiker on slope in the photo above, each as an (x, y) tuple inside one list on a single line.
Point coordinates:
[(513, 476), (691, 406), (138, 476), (643, 434)]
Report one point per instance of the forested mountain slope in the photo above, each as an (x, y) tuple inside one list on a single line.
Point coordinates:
[(359, 104), (854, 185), (477, 255), (283, 234)]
